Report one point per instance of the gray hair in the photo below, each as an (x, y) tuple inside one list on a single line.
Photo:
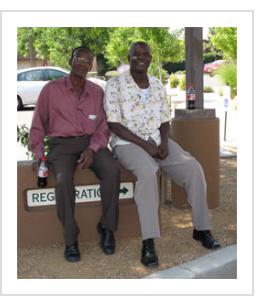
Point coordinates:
[(135, 44)]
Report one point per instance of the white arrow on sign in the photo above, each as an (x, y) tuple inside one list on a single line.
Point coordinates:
[(89, 193)]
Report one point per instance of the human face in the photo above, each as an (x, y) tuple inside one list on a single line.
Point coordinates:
[(81, 64), (140, 59)]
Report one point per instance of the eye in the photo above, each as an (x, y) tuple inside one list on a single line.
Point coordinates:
[(82, 60)]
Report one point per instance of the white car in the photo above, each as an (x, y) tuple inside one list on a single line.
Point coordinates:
[(30, 82)]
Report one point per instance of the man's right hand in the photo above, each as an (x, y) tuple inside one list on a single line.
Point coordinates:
[(86, 159)]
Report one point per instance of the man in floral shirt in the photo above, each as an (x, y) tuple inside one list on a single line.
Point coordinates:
[(135, 104)]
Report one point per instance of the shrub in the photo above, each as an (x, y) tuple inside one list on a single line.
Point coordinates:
[(211, 57), (220, 92), (173, 67), (23, 138), (227, 73), (208, 89), (174, 81), (182, 84)]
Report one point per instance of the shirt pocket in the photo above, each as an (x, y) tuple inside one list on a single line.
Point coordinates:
[(91, 121)]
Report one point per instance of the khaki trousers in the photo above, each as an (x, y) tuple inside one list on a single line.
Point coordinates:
[(183, 169), (63, 156)]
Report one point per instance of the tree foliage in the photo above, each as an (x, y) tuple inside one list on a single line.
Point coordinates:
[(225, 39), (55, 44), (165, 45)]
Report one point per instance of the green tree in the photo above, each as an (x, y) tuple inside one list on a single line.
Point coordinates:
[(225, 39), (55, 44), (166, 46)]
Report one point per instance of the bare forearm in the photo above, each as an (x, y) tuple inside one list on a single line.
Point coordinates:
[(165, 132)]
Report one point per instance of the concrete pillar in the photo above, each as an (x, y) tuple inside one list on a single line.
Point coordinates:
[(197, 131), (194, 62)]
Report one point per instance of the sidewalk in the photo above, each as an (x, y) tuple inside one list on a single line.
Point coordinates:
[(221, 264), (176, 246)]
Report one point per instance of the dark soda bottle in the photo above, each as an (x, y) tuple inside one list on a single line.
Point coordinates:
[(190, 97), (43, 172)]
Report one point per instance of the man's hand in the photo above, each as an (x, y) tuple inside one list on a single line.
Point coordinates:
[(86, 159), (163, 150), (151, 149)]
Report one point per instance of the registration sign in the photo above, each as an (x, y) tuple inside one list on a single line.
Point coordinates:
[(89, 193)]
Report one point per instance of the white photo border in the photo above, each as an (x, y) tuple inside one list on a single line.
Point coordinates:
[(243, 20)]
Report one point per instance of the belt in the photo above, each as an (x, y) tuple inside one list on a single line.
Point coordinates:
[(72, 137)]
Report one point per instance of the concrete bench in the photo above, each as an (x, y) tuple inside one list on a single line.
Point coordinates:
[(37, 222)]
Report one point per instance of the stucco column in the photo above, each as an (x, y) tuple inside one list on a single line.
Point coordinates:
[(194, 61)]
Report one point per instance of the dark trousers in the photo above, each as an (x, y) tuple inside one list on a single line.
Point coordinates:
[(63, 156)]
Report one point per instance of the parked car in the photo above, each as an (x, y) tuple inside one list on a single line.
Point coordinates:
[(30, 82), (211, 67)]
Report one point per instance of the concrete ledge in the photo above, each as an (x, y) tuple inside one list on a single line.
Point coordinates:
[(39, 226), (186, 114), (221, 264)]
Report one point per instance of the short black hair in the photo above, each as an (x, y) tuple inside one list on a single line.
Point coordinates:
[(81, 48), (138, 43)]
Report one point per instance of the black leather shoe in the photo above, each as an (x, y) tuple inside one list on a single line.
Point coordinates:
[(72, 253), (107, 242), (206, 239), (149, 257)]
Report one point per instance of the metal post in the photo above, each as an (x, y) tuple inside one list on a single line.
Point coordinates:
[(225, 125)]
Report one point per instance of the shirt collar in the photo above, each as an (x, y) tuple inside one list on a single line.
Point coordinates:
[(69, 86), (130, 79)]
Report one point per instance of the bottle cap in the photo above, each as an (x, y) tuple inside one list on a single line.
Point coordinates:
[(44, 158)]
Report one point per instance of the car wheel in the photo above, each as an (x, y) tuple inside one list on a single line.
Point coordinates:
[(19, 103)]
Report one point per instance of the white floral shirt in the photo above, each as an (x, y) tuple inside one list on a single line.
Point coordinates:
[(140, 111)]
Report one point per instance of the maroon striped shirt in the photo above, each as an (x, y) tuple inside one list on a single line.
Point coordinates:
[(61, 113)]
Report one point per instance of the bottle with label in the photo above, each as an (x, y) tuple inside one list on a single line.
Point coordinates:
[(190, 97), (43, 172)]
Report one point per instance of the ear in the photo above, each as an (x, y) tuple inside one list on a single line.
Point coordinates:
[(70, 61), (90, 66)]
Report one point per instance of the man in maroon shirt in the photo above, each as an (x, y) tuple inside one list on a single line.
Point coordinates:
[(70, 111)]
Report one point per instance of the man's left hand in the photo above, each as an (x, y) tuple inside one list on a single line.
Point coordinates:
[(86, 159)]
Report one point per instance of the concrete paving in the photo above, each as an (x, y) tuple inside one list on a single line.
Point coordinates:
[(221, 264)]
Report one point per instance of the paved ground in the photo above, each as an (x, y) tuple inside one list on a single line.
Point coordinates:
[(174, 248)]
